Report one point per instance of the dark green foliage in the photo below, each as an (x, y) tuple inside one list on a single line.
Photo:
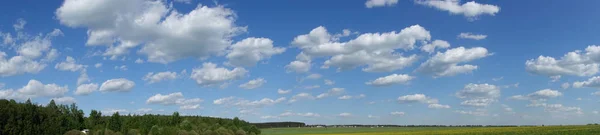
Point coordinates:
[(52, 119), (278, 124)]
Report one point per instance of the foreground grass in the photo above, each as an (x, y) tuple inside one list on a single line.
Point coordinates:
[(547, 130)]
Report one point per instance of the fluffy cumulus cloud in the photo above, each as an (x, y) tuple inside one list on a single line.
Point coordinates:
[(175, 99), (117, 85), (28, 52), (380, 3), (538, 95), (253, 84), (468, 35), (166, 35), (376, 51), (348, 97), (209, 74), (34, 88), (446, 63), (472, 10), (70, 65), (417, 98), (575, 63), (252, 50), (593, 82), (391, 79), (478, 95), (160, 76), (86, 89), (439, 44)]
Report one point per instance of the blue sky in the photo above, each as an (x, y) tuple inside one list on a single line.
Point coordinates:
[(319, 62)]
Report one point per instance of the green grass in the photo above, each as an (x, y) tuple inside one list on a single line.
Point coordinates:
[(548, 130)]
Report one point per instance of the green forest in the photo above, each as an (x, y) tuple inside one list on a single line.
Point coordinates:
[(30, 119)]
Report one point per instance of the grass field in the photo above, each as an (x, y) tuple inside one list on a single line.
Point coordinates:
[(547, 130)]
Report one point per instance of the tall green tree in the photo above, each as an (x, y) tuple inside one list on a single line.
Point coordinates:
[(114, 123)]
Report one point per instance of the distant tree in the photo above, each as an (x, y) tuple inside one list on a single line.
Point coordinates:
[(115, 122)]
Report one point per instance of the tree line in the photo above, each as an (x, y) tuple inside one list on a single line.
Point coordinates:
[(279, 124), (30, 119)]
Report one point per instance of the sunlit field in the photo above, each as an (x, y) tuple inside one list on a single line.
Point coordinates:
[(547, 130)]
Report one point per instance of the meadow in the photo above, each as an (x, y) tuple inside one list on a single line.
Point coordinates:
[(546, 130)]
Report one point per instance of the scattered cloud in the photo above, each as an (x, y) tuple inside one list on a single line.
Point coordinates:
[(478, 95), (176, 98), (471, 10), (391, 80), (328, 82), (380, 3), (253, 84), (86, 89), (252, 50), (397, 113), (573, 63), (469, 35), (417, 98), (70, 65), (282, 91), (117, 85), (313, 76), (209, 74), (446, 63), (160, 76), (438, 106)]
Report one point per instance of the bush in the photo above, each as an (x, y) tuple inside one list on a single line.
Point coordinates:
[(240, 132)]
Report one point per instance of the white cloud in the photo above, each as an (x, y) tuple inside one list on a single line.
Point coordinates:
[(397, 113), (160, 76), (391, 80), (471, 10), (593, 82), (538, 95), (301, 96), (331, 92), (345, 114), (479, 91), (298, 66), (117, 85), (498, 79), (35, 88), (328, 82), (576, 63), (474, 113), (557, 108), (313, 76), (269, 117), (210, 75), (478, 102), (417, 98), (167, 35), (565, 86), (555, 78), (18, 65), (184, 1), (64, 100), (86, 89), (507, 108), (70, 65), (380, 3), (51, 56), (98, 65), (176, 98), (243, 103), (479, 95), (108, 112), (308, 114), (446, 63), (139, 61), (83, 78), (438, 106), (253, 84), (345, 97), (122, 68), (20, 25), (468, 35), (282, 91), (375, 50), (430, 48), (252, 50)]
